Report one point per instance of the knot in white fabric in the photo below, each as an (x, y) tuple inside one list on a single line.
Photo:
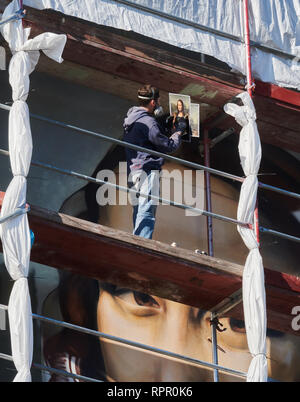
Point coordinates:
[(250, 114), (248, 107), (19, 273), (259, 354), (16, 50), (253, 246), (21, 97)]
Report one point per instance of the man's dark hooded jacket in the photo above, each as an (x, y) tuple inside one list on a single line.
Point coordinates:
[(141, 128)]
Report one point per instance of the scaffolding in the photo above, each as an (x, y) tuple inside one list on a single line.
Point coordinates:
[(218, 310), (208, 213)]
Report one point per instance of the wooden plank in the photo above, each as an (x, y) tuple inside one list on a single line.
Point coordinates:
[(141, 69), (152, 267), (123, 259), (268, 90), (106, 82)]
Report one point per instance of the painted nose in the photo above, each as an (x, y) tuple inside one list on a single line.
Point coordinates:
[(174, 338)]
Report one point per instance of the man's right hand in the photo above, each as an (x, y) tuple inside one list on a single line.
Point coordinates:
[(181, 127)]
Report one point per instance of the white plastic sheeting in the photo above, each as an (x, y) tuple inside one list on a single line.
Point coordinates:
[(275, 23), (254, 298), (15, 233)]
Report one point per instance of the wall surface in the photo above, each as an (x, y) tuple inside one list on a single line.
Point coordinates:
[(64, 148)]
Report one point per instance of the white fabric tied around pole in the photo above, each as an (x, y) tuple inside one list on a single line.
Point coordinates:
[(20, 306), (15, 233), (254, 298), (19, 139)]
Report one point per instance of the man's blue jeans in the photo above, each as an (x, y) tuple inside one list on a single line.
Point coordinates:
[(144, 208)]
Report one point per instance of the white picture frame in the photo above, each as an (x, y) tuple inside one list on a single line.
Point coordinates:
[(194, 120)]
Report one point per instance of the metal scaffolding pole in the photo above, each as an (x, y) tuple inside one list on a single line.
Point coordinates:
[(18, 211), (208, 193), (16, 16), (250, 86), (214, 339)]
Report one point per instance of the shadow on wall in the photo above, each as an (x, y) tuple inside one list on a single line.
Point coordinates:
[(71, 104)]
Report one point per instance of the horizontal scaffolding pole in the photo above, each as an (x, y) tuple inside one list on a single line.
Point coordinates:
[(140, 345), (279, 234), (53, 370), (227, 304), (155, 153), (162, 200), (134, 344), (18, 211), (16, 16), (261, 46)]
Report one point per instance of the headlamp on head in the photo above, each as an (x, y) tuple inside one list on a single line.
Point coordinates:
[(143, 95), (149, 97)]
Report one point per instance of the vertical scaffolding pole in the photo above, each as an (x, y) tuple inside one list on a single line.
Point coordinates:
[(22, 9), (250, 86), (210, 245), (208, 193)]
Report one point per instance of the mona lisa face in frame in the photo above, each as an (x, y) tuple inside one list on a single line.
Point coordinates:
[(176, 327)]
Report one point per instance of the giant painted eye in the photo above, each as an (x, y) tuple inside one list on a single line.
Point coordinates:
[(237, 325), (136, 298), (142, 299)]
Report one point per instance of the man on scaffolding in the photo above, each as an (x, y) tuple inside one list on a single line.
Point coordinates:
[(142, 128)]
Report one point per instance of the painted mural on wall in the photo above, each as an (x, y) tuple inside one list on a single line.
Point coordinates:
[(151, 320), (154, 321)]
